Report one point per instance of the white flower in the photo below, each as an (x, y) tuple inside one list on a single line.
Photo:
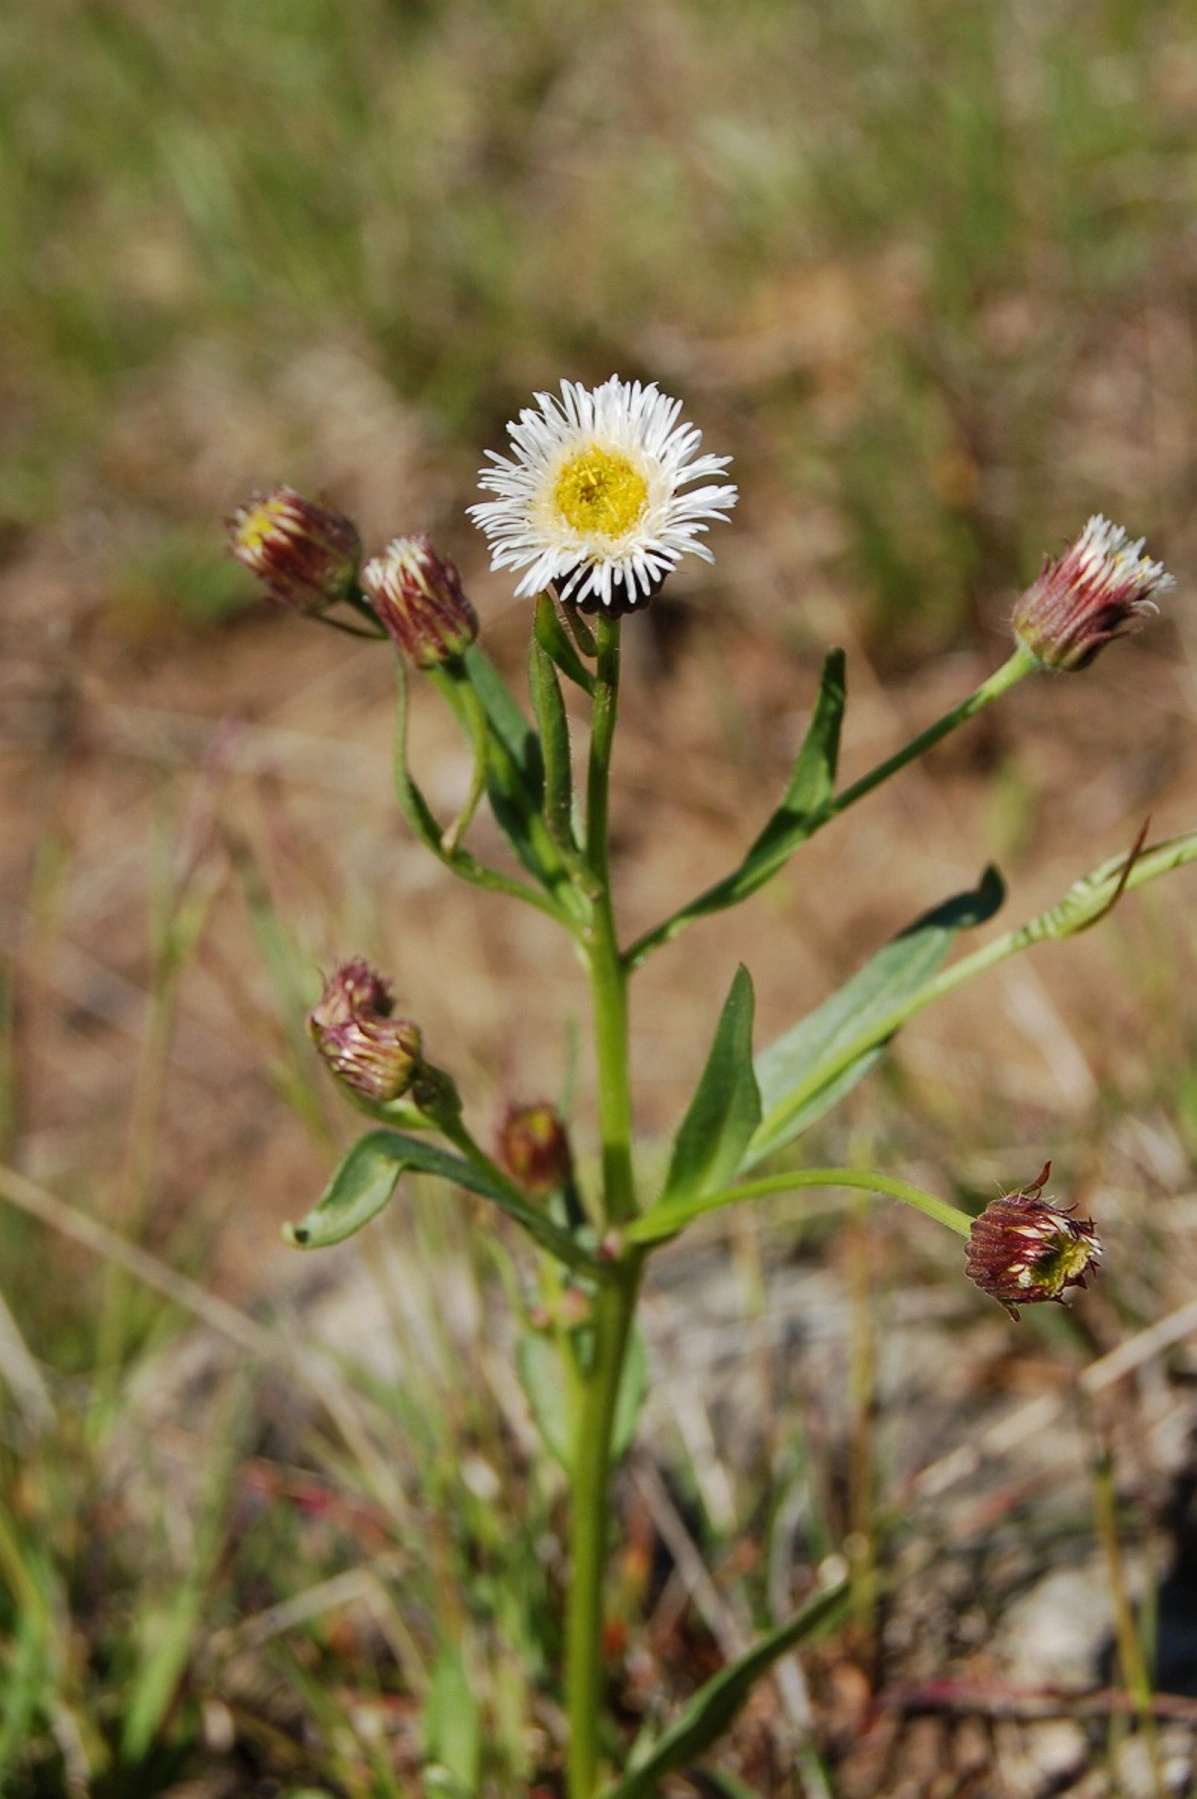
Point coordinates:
[(592, 498)]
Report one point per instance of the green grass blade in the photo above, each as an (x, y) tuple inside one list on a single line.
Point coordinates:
[(716, 1704)]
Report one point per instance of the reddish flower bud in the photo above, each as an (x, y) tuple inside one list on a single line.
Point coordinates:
[(1023, 1249), (352, 1027), (1101, 588), (306, 554), (534, 1148), (418, 596)]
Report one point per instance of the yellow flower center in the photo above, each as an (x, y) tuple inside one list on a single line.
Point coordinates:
[(600, 493), (260, 523), (1058, 1262)]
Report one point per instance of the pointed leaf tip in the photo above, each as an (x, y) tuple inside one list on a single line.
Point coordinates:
[(726, 1108)]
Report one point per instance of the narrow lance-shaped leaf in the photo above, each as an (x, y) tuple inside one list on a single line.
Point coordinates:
[(715, 1705), (368, 1175), (423, 824), (726, 1108), (854, 1047), (554, 737), (811, 784), (515, 783), (806, 1071), (510, 726), (802, 810), (1084, 905)]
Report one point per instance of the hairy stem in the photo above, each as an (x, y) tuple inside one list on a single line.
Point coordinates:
[(615, 1303), (614, 1311)]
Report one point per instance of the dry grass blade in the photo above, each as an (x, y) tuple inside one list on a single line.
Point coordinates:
[(91, 1234)]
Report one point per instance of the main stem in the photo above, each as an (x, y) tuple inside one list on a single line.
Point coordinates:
[(614, 1304), (614, 1310), (608, 975)]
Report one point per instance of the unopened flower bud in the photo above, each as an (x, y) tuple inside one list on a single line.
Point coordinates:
[(377, 1055), (1101, 588), (534, 1148), (306, 554), (1023, 1249), (418, 596)]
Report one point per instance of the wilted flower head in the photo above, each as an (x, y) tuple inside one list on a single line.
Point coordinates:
[(592, 499), (418, 596), (377, 1055), (1100, 588), (306, 554), (1023, 1249), (534, 1148)]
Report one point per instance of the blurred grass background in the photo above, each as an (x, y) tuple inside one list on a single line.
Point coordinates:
[(925, 257), (928, 272)]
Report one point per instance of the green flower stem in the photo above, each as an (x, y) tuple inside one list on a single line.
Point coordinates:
[(666, 1220), (608, 974), (615, 1302), (717, 897), (614, 1310), (456, 1133), (1012, 671)]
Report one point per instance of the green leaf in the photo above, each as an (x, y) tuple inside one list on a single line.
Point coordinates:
[(812, 782), (805, 1072), (452, 1726), (555, 641), (726, 1108), (802, 810), (554, 737), (508, 723), (424, 826), (716, 1704), (515, 783), (369, 1174)]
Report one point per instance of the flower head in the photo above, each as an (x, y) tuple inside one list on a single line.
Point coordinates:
[(598, 496), (1100, 588), (419, 598), (306, 554), (1023, 1249), (377, 1055), (534, 1147)]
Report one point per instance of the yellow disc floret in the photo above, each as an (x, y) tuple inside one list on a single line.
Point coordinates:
[(600, 493), (259, 520)]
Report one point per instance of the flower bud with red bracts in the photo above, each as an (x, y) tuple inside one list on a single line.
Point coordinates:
[(417, 595), (1023, 1249), (534, 1149), (306, 554), (376, 1054), (1101, 587)]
